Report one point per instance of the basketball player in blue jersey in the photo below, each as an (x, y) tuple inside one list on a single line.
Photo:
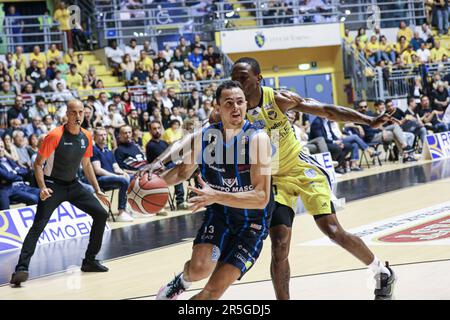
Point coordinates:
[(235, 186)]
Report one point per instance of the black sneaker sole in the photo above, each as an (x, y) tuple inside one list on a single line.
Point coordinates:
[(18, 277), (90, 269)]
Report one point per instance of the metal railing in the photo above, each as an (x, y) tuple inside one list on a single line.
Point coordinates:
[(261, 13), (383, 13), (36, 30)]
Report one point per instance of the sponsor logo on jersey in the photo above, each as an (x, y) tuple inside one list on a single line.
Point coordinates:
[(272, 114), (230, 182), (259, 124), (256, 226), (310, 173)]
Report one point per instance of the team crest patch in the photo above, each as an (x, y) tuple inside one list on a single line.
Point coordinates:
[(272, 114), (259, 124), (260, 39), (310, 173)]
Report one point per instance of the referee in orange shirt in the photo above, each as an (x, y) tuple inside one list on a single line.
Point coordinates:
[(62, 151)]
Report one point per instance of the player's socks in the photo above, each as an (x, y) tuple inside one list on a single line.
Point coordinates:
[(377, 267), (186, 284)]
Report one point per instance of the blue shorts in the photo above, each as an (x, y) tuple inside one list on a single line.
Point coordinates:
[(239, 244)]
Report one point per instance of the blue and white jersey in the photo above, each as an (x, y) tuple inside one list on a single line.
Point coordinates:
[(226, 167)]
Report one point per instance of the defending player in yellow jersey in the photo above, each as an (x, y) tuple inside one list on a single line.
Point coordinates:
[(294, 173), (298, 175)]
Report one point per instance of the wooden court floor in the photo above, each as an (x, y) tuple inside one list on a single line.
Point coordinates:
[(319, 269)]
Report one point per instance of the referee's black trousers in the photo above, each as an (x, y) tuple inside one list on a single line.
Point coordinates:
[(74, 193)]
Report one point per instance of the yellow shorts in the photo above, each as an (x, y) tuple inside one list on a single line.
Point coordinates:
[(307, 181)]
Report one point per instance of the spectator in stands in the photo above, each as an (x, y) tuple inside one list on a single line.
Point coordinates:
[(49, 122), (3, 72), (191, 115), (62, 95), (108, 172), (385, 135), (441, 9), (85, 89), (113, 118), (144, 121), (165, 117), (132, 120), (388, 106), (33, 147), (12, 186), (62, 67), (27, 95), (18, 111), (198, 43), (114, 56), (173, 82), (437, 52), (69, 58), (339, 150), (440, 97), (10, 148), (149, 50), (195, 57), (205, 110), (416, 41), (426, 34), (19, 58), (211, 56), (17, 25), (129, 157), (102, 104), (362, 35), (430, 117), (62, 15), (158, 71), (92, 76), (133, 50), (171, 94), (33, 72), (184, 49), (155, 101), (177, 59), (316, 145), (53, 53), (155, 84), (40, 58), (174, 71), (176, 115), (128, 104), (409, 121), (88, 120), (35, 127), (194, 101), (204, 71), (39, 109), (161, 62), (423, 53), (187, 71), (82, 65), (51, 70), (21, 146), (373, 52), (168, 53), (155, 147), (401, 46), (407, 56), (127, 67), (208, 94), (6, 89), (140, 75), (14, 125), (146, 62), (42, 84), (74, 79), (58, 79), (404, 31)]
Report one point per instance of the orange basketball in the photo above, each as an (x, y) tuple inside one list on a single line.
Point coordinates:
[(147, 195)]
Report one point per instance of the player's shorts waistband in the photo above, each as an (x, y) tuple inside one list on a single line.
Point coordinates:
[(60, 182)]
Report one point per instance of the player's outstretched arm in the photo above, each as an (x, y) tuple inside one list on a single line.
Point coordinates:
[(288, 100), (260, 172), (174, 151)]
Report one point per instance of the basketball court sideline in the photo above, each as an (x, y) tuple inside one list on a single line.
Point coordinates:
[(412, 202)]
